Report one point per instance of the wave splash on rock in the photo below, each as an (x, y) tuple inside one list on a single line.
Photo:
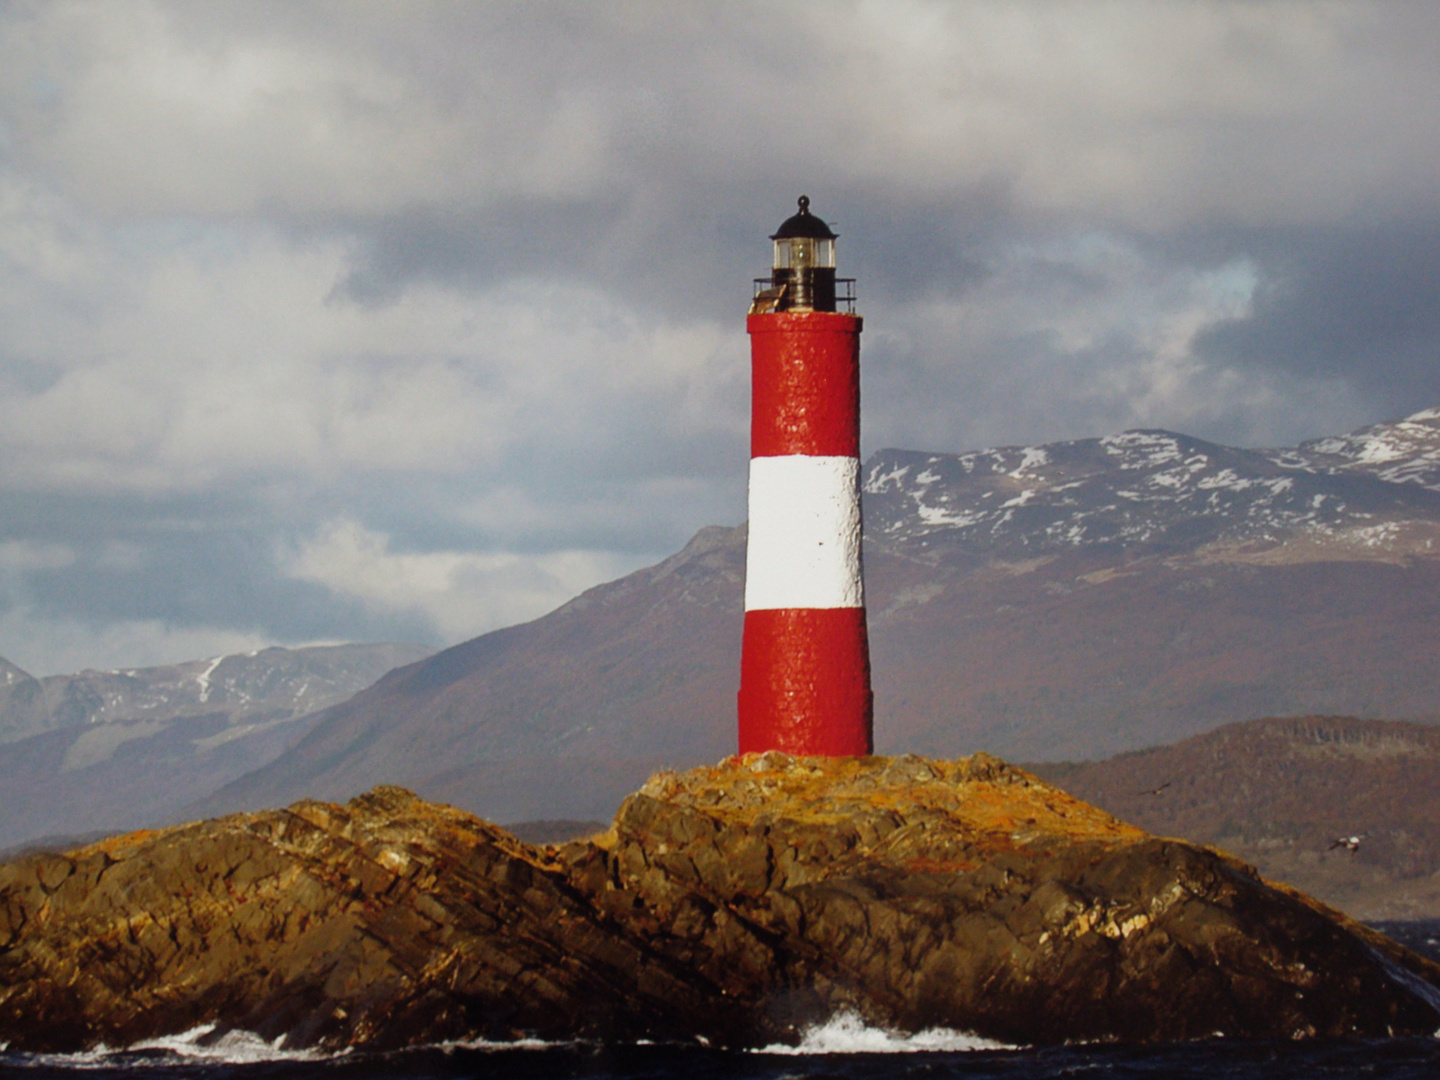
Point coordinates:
[(205, 1044), (847, 1033)]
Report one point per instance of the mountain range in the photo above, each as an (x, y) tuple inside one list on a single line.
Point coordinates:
[(1070, 601), (121, 749), (1066, 601)]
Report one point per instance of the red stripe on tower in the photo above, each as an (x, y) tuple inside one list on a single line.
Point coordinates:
[(805, 659)]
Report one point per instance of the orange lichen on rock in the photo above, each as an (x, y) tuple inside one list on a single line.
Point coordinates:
[(978, 794), (739, 903)]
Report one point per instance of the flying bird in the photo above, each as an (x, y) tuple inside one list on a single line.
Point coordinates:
[(1349, 843), (1154, 790)]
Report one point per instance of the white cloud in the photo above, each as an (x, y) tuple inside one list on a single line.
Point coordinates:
[(462, 593), (43, 645), (223, 355), (158, 108), (24, 555)]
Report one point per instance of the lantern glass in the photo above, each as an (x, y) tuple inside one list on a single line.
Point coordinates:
[(804, 253)]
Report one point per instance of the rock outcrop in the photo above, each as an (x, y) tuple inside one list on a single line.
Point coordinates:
[(737, 904)]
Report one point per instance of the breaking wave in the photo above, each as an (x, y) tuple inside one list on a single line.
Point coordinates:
[(198, 1046), (231, 1048), (846, 1033)]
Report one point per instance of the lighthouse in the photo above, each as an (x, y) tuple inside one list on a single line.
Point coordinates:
[(805, 657)]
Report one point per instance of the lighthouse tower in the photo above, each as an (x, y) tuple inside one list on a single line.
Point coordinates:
[(805, 661)]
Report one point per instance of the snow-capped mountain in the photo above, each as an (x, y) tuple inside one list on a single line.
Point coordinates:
[(10, 674), (267, 686), (1157, 492), (1070, 600), (113, 749), (1402, 452)]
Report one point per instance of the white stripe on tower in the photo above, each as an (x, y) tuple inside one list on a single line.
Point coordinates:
[(804, 544)]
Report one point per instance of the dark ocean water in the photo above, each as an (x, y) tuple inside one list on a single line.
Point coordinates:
[(1220, 1059), (842, 1050)]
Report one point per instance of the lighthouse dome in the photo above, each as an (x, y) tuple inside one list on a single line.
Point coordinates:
[(803, 224)]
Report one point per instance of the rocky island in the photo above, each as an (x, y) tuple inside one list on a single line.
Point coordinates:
[(738, 904)]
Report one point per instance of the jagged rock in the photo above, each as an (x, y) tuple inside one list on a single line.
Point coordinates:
[(385, 922), (971, 895), (738, 904)]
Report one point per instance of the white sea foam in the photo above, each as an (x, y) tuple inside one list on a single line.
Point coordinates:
[(188, 1048), (233, 1047), (513, 1044), (846, 1033)]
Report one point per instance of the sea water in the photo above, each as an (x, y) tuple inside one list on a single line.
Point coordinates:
[(842, 1049)]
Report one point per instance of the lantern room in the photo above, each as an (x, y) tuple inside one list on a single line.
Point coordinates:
[(803, 269)]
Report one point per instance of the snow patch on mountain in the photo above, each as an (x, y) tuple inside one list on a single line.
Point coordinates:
[(203, 679), (1403, 452), (1158, 489)]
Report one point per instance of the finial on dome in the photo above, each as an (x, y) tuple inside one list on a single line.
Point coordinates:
[(803, 223)]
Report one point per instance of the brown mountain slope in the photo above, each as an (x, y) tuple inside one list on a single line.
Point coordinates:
[(1069, 657), (559, 717), (1279, 792), (1063, 601), (1078, 657)]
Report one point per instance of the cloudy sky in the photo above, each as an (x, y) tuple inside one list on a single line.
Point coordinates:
[(407, 320)]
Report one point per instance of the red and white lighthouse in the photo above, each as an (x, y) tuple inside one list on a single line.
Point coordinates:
[(805, 661)]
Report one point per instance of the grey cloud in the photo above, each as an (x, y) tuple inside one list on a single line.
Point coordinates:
[(1362, 305), (191, 563), (1168, 110), (1067, 334), (1065, 219)]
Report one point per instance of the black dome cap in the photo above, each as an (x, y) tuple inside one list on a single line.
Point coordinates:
[(803, 224)]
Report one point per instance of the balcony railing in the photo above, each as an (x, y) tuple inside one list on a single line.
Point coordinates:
[(844, 293)]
